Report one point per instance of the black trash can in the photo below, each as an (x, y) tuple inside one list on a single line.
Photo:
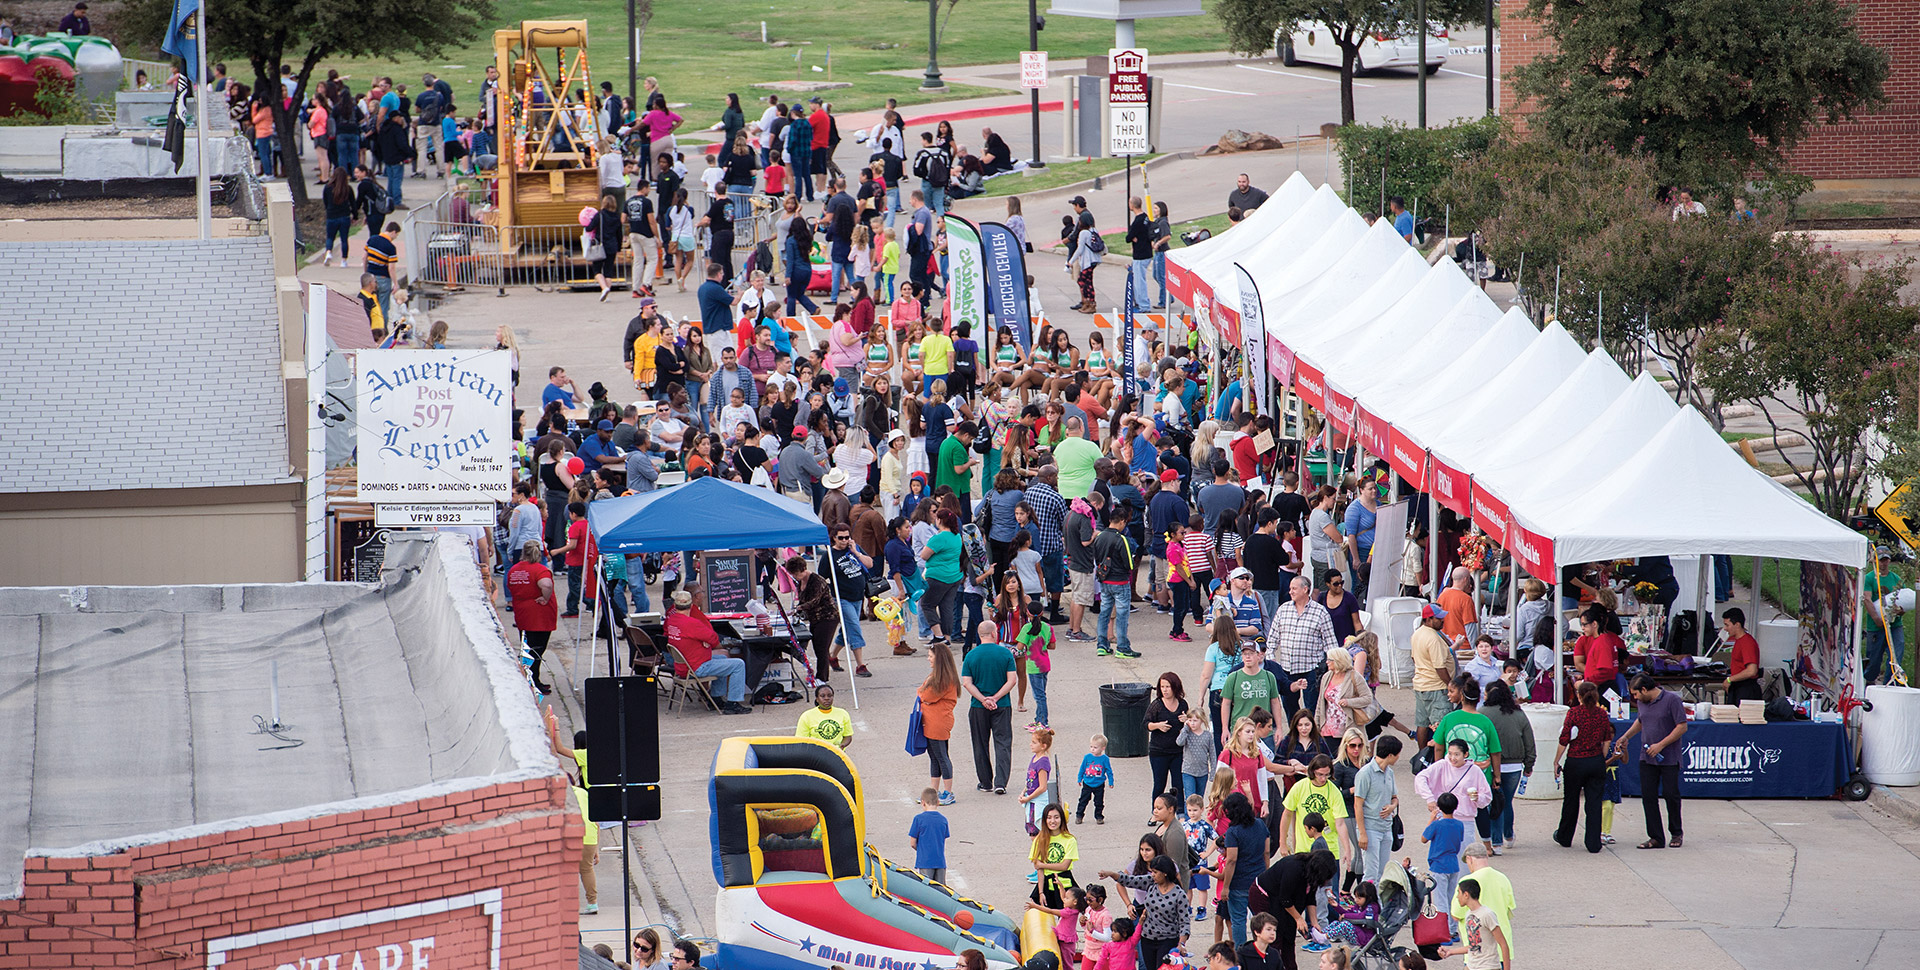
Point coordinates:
[(1123, 718)]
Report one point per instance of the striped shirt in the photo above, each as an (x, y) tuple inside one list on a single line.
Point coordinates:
[(1199, 549), (381, 256)]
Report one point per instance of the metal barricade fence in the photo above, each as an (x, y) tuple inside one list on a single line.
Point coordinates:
[(446, 250)]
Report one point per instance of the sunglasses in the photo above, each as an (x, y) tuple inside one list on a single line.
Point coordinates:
[(642, 948), (1355, 744)]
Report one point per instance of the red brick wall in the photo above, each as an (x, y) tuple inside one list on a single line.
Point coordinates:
[(159, 905), (1884, 144)]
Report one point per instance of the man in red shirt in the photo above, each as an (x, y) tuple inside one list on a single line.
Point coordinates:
[(1743, 679), (822, 130), (691, 634), (530, 589), (1597, 652), (1246, 457)]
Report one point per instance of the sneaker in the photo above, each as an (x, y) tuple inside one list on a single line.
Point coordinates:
[(1320, 947), (569, 616), (736, 709), (1079, 637), (946, 798), (1494, 849), (1129, 654), (589, 909), (1199, 914), (1181, 637), (999, 791), (1079, 820), (1033, 877), (1102, 652), (862, 671), (1098, 820), (1608, 839), (1163, 610), (983, 788)]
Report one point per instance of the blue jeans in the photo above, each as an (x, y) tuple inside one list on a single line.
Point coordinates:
[(802, 174), (342, 227), (1160, 275), (936, 198), (346, 150), (1722, 578), (883, 283), (1142, 270), (850, 625), (1269, 602), (573, 589), (396, 177), (1444, 884), (1379, 851), (1501, 828), (1237, 915), (1038, 681), (742, 198), (1113, 606), (263, 150), (1193, 785), (893, 203), (697, 395), (732, 673), (916, 585), (842, 273), (1875, 652), (383, 291), (969, 612)]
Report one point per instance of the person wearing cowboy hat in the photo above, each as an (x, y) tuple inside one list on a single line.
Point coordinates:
[(836, 510)]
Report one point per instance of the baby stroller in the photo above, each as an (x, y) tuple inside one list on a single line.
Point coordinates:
[(1402, 894)]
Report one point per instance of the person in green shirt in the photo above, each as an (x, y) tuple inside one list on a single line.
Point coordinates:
[(1076, 456), (986, 675), (1249, 687), (825, 722), (954, 467), (1882, 626), (1318, 794), (1469, 725), (940, 603)]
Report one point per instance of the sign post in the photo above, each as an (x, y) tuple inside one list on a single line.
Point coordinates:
[(1127, 105)]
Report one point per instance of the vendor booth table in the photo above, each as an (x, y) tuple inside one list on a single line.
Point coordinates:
[(1780, 759)]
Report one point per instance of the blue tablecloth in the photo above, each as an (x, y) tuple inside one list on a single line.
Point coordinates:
[(1787, 759)]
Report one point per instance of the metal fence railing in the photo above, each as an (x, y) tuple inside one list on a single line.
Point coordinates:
[(452, 242)]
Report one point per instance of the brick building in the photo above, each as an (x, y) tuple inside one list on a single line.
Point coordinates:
[(408, 815), (1882, 145)]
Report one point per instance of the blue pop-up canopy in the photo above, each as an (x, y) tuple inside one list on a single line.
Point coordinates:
[(706, 513)]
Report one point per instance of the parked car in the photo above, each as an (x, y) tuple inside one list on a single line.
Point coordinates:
[(1312, 43)]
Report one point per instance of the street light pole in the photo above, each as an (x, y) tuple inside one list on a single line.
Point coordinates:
[(1420, 24), (1490, 95), (1033, 44), (932, 80), (633, 64)]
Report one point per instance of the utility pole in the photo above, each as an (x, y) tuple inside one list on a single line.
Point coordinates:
[(1034, 26), (1491, 105), (1420, 74), (932, 82)]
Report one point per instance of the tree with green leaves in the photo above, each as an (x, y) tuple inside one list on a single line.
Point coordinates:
[(1824, 346), (1251, 25), (268, 34), (1715, 91)]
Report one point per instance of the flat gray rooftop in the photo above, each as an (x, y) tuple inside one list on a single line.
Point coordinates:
[(126, 711)]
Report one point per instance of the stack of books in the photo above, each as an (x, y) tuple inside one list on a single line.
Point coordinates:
[(1724, 714), (1753, 712)]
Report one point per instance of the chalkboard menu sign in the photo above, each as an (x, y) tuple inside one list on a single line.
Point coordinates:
[(726, 581)]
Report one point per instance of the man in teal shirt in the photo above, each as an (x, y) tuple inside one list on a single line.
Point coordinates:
[(986, 675)]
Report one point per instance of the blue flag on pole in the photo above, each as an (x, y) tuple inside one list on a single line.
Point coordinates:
[(1006, 266), (183, 37)]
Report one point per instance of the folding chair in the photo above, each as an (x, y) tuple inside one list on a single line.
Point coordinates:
[(643, 655), (679, 687)]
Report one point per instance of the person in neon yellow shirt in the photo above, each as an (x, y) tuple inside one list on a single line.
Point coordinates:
[(589, 853), (889, 264), (825, 722), (1316, 794), (936, 356), (1496, 890)]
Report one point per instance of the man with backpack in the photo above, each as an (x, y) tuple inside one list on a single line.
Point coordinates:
[(934, 168), (434, 103), (1113, 568)]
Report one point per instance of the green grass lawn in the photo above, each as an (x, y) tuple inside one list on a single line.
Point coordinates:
[(1731, 436), (702, 50), (1216, 223), (1055, 175)]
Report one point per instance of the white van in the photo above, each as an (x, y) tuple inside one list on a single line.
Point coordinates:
[(1312, 43)]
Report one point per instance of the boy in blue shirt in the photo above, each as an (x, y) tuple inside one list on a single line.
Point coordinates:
[(1443, 836), (1096, 776), (928, 836)]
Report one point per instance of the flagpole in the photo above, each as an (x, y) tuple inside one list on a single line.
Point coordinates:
[(203, 190)]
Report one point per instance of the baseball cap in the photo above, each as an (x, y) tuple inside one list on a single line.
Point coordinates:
[(815, 100), (1240, 571), (1170, 475), (839, 385), (682, 598), (1079, 200), (800, 432), (647, 301), (605, 425), (1882, 552), (1432, 612)]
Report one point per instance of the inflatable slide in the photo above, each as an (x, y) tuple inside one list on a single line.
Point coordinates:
[(800, 887)]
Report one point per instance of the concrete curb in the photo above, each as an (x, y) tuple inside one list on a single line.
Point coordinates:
[(1903, 806)]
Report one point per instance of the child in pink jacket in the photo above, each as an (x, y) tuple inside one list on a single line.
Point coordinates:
[(1455, 773), (1123, 951)]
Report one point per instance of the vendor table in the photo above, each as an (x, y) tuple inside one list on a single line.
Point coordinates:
[(1781, 759)]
